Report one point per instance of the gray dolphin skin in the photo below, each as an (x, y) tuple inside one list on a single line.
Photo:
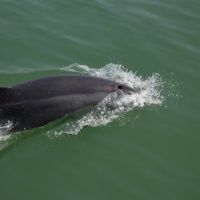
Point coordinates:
[(35, 103)]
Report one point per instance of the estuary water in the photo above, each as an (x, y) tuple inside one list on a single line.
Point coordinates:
[(147, 146)]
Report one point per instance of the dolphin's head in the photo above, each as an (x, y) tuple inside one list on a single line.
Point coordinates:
[(108, 86), (126, 89)]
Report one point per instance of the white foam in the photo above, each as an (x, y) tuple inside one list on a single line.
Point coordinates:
[(116, 104), (5, 131)]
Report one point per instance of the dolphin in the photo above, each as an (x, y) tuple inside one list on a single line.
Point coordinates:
[(38, 102)]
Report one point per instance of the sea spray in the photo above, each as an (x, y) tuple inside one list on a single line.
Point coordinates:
[(115, 104)]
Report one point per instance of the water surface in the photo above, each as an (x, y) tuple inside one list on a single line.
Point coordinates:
[(149, 152)]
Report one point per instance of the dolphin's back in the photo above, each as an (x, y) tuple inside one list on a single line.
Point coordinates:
[(55, 86)]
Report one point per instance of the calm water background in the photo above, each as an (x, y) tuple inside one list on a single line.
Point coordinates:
[(156, 156)]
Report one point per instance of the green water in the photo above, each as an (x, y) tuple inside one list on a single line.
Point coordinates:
[(157, 155)]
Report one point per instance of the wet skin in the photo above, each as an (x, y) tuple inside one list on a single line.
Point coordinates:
[(38, 102)]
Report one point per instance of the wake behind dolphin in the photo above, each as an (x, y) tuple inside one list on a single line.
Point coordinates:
[(37, 102)]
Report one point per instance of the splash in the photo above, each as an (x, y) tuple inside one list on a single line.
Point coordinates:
[(116, 104), (5, 130)]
